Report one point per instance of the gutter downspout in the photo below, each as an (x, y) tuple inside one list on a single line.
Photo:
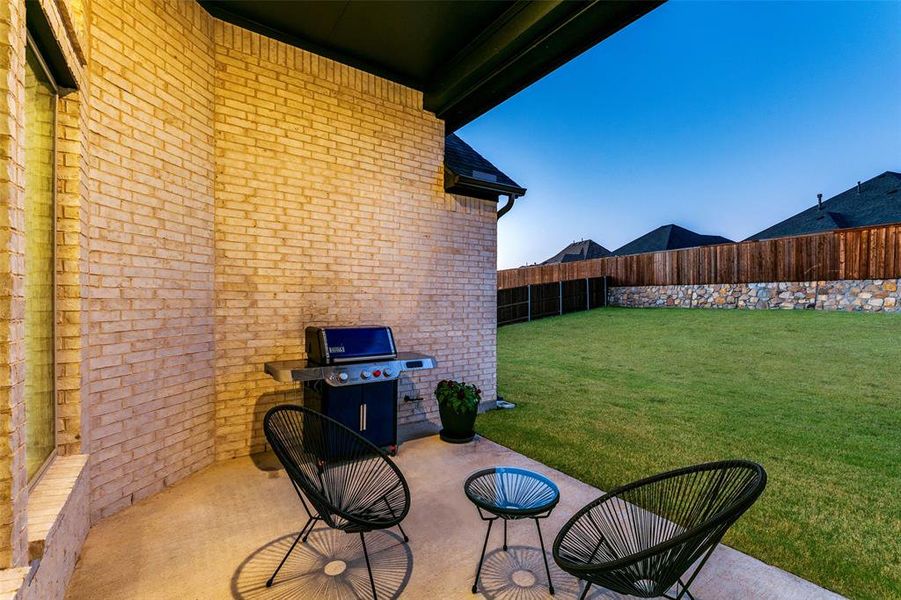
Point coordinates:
[(511, 198)]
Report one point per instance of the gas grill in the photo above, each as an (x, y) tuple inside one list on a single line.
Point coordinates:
[(351, 376)]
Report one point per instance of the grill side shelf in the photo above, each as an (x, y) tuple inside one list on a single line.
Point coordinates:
[(289, 371), (414, 361)]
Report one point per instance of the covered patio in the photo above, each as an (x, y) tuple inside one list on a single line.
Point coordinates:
[(188, 186), (221, 532)]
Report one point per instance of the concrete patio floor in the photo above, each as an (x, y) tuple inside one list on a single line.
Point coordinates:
[(221, 532)]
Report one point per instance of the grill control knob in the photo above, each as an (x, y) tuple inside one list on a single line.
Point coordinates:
[(364, 374), (342, 377), (388, 372)]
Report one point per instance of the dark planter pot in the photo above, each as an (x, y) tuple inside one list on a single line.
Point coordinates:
[(457, 428)]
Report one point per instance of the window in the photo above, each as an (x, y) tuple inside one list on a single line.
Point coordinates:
[(40, 259)]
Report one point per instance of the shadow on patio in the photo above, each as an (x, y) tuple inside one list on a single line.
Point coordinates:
[(329, 565), (221, 533)]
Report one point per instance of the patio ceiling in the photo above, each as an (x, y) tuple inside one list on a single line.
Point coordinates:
[(466, 57)]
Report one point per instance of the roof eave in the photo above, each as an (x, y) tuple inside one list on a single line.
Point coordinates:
[(531, 40), (465, 185)]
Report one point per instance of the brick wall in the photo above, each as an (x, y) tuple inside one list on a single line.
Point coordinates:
[(151, 248), (67, 19), (290, 188), (216, 194), (330, 209), (13, 492), (71, 271)]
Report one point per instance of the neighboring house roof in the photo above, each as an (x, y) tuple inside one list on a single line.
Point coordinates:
[(584, 250), (876, 202), (469, 173), (669, 237)]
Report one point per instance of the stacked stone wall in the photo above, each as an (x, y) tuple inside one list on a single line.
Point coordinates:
[(867, 295)]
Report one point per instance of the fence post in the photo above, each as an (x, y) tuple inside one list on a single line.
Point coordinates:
[(560, 297), (529, 317), (587, 294)]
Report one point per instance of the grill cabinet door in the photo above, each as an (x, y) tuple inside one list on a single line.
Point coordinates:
[(380, 402), (368, 409)]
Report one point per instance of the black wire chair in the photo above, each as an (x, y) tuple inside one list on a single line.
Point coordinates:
[(642, 538), (350, 483)]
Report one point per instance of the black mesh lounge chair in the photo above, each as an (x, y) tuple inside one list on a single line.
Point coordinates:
[(642, 538), (350, 484)]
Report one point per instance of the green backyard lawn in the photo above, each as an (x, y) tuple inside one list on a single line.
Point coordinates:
[(613, 395)]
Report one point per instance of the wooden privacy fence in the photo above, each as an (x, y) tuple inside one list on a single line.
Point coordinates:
[(863, 253), (530, 302)]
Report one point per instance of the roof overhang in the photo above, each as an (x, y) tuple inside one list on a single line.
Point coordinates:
[(466, 57), (478, 188)]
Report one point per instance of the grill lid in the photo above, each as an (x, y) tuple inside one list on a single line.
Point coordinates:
[(336, 345)]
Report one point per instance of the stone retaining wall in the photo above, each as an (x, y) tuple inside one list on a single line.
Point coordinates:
[(870, 295)]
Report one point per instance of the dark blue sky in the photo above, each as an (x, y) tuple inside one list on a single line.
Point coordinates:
[(721, 117)]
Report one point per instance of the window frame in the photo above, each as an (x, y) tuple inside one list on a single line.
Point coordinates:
[(33, 46)]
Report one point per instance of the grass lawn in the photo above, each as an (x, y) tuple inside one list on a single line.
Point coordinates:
[(613, 395)]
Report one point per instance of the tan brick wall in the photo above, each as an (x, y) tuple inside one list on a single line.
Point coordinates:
[(329, 206), (66, 18), (13, 492), (71, 193), (151, 247), (72, 272), (236, 187), (330, 209)]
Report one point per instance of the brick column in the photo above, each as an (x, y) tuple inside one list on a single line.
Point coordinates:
[(72, 274), (13, 491)]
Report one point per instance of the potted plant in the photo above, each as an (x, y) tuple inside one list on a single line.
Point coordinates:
[(458, 405)]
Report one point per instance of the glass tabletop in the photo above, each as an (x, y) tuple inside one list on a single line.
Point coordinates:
[(511, 490)]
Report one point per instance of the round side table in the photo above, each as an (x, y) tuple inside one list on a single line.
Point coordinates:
[(509, 494)]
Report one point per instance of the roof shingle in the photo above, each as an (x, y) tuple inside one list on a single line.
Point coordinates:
[(467, 169)]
